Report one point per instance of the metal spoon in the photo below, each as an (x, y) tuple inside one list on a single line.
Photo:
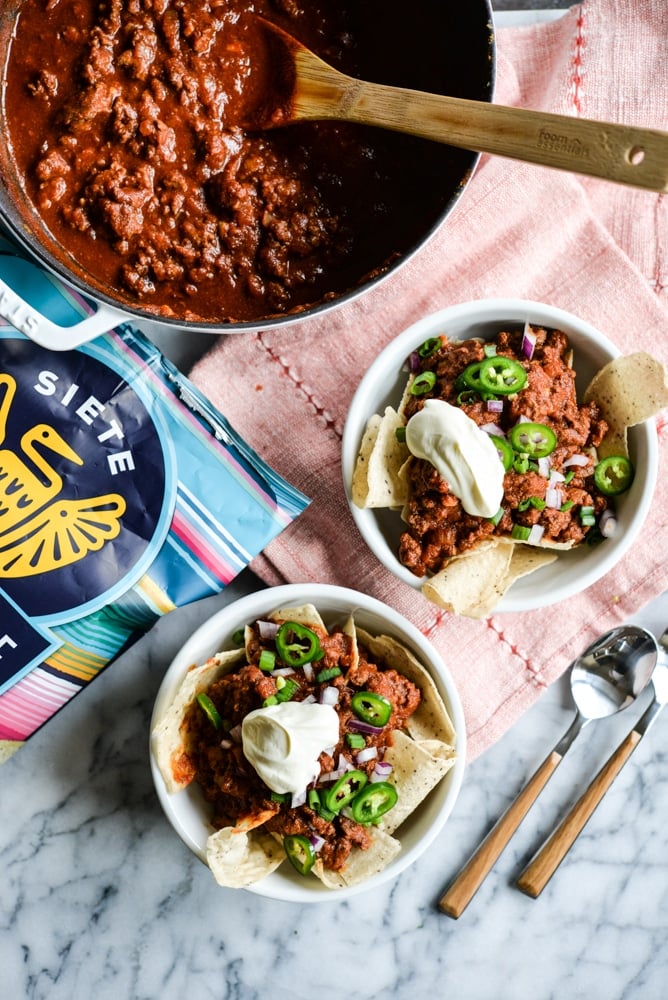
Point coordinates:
[(305, 89), (607, 677), (547, 859)]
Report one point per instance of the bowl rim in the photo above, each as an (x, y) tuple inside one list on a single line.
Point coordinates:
[(497, 311), (331, 601)]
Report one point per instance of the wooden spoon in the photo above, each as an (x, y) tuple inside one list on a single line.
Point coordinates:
[(307, 89)]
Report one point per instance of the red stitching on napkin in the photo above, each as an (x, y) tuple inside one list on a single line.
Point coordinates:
[(577, 62), (329, 421)]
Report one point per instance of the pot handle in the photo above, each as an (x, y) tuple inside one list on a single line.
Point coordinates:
[(28, 320)]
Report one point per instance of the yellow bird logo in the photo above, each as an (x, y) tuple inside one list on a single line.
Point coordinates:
[(38, 531)]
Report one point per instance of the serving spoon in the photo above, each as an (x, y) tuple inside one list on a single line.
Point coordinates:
[(547, 859), (607, 677), (305, 88)]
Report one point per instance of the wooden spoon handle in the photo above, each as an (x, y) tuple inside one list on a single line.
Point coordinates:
[(545, 862), (462, 890), (621, 153)]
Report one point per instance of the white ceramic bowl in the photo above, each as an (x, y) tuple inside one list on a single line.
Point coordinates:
[(188, 812), (382, 385)]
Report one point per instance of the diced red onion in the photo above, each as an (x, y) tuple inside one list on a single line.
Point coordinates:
[(282, 671), (343, 764), (317, 843), (607, 523), (493, 429), (368, 753), (329, 695), (310, 699), (528, 342), (309, 672), (298, 798), (267, 630), (553, 498), (331, 776), (523, 420), (413, 361), (381, 771), (358, 726), (576, 460), (535, 534), (555, 477), (235, 734), (544, 466), (226, 744), (495, 406)]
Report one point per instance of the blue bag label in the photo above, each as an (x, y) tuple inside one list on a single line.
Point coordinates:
[(85, 479)]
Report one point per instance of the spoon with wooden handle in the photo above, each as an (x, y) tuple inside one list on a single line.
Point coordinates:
[(606, 678), (547, 859), (306, 88)]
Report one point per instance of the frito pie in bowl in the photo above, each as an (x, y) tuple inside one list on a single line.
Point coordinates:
[(500, 456), (307, 743)]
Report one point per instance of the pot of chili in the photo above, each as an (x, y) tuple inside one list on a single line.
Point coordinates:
[(126, 170)]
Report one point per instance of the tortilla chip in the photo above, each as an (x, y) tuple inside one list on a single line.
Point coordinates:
[(528, 558), (431, 719), (169, 749), (360, 483), (376, 480), (417, 767), (306, 614), (472, 584), (361, 865), (629, 390), (239, 858)]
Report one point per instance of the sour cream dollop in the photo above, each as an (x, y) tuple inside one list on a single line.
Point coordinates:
[(283, 742), (462, 454)]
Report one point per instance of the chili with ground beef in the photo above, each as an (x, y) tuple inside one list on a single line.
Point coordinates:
[(438, 526), (232, 786), (126, 122)]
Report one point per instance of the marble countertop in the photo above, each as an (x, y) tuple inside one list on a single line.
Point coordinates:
[(99, 898)]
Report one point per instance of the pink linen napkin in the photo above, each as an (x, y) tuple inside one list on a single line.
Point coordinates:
[(588, 246)]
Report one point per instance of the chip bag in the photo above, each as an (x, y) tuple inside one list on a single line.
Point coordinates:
[(124, 494)]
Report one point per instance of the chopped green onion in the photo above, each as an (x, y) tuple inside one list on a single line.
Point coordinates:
[(267, 660), (238, 637), (281, 797), (569, 476), (271, 700), (288, 690), (313, 799), (400, 433), (587, 517), (497, 517), (536, 502), (566, 506), (423, 383), (520, 532), (355, 741), (521, 464), (328, 674)]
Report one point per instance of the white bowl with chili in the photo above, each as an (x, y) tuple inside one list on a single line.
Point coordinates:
[(188, 811), (384, 384)]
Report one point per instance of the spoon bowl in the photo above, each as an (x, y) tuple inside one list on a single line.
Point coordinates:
[(306, 88), (612, 672), (606, 678)]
